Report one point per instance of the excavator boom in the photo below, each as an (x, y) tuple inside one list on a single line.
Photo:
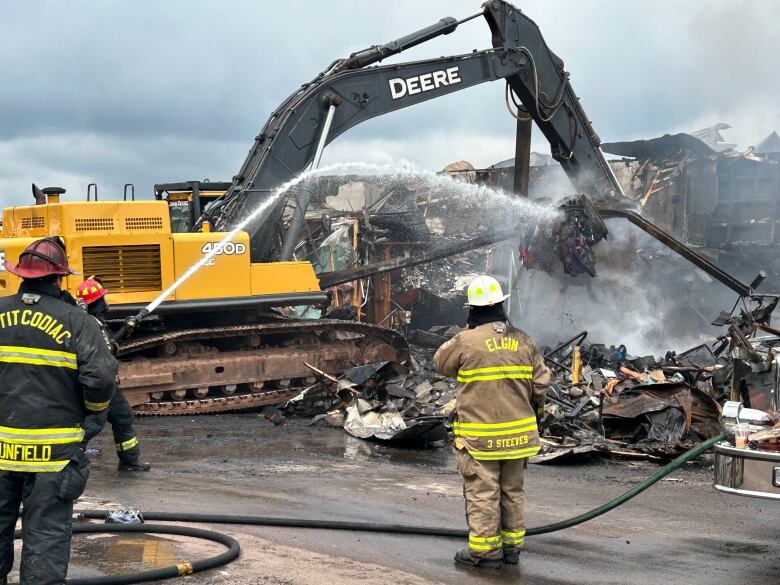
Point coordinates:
[(352, 91)]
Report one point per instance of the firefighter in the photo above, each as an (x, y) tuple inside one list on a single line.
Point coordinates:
[(501, 393), (55, 369), (119, 414)]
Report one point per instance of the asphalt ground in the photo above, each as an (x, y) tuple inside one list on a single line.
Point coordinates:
[(680, 531)]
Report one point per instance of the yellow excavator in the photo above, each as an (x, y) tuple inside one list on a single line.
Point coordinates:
[(211, 348), (221, 340)]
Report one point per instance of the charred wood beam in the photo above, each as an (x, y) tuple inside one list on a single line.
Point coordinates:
[(328, 279), (522, 156)]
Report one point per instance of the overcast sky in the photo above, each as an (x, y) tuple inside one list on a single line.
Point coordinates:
[(148, 91)]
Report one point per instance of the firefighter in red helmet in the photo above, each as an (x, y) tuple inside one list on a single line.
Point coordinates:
[(119, 414), (56, 370)]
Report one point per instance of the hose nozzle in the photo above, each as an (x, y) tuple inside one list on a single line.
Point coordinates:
[(130, 324)]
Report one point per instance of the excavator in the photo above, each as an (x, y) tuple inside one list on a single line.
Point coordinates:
[(219, 342)]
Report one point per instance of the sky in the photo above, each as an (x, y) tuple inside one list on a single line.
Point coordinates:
[(142, 91)]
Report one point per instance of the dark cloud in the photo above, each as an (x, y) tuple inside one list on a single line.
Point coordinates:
[(142, 91)]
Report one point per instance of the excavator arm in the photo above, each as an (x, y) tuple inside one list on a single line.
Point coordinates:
[(354, 90), (591, 215)]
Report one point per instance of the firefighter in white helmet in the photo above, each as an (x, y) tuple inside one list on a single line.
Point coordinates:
[(502, 386)]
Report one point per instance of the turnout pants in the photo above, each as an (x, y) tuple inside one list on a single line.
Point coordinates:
[(46, 521), (120, 416), (494, 504)]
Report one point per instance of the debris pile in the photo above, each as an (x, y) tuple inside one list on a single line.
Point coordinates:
[(709, 194), (605, 400), (384, 400), (602, 399)]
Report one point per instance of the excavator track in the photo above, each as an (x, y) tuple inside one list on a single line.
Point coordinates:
[(239, 367), (214, 405)]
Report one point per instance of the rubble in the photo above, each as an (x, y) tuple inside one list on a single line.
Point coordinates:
[(613, 402), (385, 401), (646, 407), (602, 400)]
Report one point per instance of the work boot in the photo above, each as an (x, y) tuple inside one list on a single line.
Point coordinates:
[(511, 556), (134, 466), (464, 557)]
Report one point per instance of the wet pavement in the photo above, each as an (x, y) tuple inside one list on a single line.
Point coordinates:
[(681, 531)]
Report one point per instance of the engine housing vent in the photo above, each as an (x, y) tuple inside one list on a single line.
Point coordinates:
[(94, 224), (143, 223), (125, 269), (31, 223)]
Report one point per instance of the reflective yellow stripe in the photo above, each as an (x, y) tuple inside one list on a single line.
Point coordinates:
[(37, 351), (41, 436), (495, 369), (127, 445), (27, 441), (492, 426), (516, 454), (36, 362), (540, 411), (72, 431), (495, 373), (484, 546), (513, 537), (484, 539), (487, 378), (491, 546), (96, 405), (14, 354), (488, 543), (500, 432), (32, 466)]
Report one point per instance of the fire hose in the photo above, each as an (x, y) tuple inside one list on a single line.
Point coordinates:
[(234, 548)]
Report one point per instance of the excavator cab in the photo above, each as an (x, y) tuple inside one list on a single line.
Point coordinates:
[(187, 200)]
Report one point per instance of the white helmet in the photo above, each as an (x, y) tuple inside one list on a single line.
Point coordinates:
[(485, 291)]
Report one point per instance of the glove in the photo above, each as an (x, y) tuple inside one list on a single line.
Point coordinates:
[(539, 416), (130, 324), (126, 330)]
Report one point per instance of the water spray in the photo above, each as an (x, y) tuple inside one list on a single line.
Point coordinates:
[(496, 206)]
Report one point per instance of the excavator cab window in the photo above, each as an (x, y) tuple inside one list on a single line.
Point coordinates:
[(188, 200), (181, 215)]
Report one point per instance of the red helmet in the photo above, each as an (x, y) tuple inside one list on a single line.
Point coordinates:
[(44, 257), (90, 290)]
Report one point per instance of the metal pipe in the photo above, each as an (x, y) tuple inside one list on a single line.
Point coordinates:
[(329, 279), (324, 136), (683, 250), (374, 54), (196, 210), (307, 189)]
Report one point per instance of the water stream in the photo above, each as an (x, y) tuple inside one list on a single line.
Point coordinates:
[(496, 209), (625, 305)]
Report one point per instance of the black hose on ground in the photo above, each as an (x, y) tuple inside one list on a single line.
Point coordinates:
[(234, 548), (418, 530), (232, 552), (290, 523)]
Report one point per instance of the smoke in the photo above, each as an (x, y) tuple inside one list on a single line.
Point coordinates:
[(643, 297)]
